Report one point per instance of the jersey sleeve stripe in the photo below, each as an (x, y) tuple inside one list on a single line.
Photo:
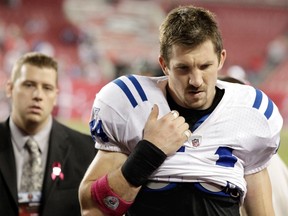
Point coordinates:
[(269, 109), (258, 99), (138, 87), (257, 103), (126, 90)]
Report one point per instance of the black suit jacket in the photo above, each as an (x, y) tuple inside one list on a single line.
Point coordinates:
[(74, 150)]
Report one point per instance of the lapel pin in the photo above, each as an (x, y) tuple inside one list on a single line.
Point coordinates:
[(56, 171)]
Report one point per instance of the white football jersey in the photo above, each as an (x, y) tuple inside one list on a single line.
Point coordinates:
[(239, 137)]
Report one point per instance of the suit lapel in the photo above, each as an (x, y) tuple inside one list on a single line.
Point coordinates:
[(58, 152), (7, 160)]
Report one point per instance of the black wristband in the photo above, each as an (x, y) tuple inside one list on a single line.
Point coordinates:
[(142, 162)]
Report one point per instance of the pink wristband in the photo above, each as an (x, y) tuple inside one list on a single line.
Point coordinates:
[(108, 201)]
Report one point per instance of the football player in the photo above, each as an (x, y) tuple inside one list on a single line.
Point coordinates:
[(185, 143)]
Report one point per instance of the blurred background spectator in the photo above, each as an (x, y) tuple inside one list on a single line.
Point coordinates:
[(98, 40)]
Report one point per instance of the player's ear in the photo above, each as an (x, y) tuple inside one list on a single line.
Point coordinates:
[(222, 59), (163, 65)]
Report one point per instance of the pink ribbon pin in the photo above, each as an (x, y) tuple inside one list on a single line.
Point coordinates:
[(56, 171)]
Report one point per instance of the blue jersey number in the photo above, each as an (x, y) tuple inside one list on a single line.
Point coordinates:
[(226, 158), (97, 130)]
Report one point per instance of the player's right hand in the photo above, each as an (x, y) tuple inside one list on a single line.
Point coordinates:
[(167, 133)]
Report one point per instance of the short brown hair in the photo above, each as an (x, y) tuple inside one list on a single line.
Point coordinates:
[(189, 26), (36, 59)]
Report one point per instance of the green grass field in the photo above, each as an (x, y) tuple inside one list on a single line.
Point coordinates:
[(283, 150)]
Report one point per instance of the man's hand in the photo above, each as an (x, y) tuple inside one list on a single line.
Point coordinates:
[(167, 133)]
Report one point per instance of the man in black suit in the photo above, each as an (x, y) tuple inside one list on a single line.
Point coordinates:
[(64, 153)]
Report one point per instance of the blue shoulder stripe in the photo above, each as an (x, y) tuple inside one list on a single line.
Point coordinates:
[(127, 91), (258, 101), (138, 87), (269, 109)]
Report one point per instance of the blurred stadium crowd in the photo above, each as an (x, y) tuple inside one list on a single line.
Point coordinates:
[(98, 40)]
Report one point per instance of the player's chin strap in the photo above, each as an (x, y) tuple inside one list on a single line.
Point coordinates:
[(140, 164)]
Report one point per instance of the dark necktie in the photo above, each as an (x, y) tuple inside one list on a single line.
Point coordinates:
[(32, 176)]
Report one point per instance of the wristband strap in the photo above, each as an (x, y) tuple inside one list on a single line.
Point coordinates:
[(108, 201), (142, 162)]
